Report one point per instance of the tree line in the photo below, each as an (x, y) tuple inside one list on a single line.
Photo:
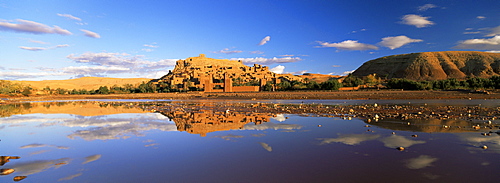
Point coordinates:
[(371, 81)]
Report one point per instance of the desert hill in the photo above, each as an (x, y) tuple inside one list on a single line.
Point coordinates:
[(434, 65), (89, 83), (319, 78)]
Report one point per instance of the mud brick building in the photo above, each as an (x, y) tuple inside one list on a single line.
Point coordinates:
[(218, 75)]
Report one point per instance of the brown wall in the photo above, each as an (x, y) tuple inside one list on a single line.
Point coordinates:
[(349, 88), (245, 88)]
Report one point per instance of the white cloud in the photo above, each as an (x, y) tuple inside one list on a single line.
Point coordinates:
[(32, 48), (267, 61), (416, 20), (256, 52), (298, 72), (475, 32), (494, 51), (420, 162), (227, 51), (39, 42), (90, 34), (42, 48), (14, 75), (94, 71), (147, 50), (278, 69), (265, 40), (481, 44), (26, 26), (425, 7), (108, 59), (397, 41), (348, 45), (69, 16), (118, 62), (355, 31), (62, 46), (151, 45), (494, 31), (157, 74), (480, 17)]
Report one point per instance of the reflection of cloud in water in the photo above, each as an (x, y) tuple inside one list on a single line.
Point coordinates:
[(258, 135), (89, 159), (394, 141), (82, 121), (350, 139), (493, 142), (34, 118), (39, 152), (114, 132), (271, 125), (420, 162), (279, 117), (228, 136), (70, 177), (114, 126), (32, 167), (35, 145), (266, 146), (150, 145)]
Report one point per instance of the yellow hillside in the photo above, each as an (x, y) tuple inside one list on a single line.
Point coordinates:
[(89, 83)]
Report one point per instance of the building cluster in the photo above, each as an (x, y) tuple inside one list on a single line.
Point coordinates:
[(218, 75)]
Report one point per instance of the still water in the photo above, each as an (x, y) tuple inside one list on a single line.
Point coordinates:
[(98, 142)]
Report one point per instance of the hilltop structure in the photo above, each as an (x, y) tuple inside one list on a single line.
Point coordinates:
[(433, 65), (217, 75)]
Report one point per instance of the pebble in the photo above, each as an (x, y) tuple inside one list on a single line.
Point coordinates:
[(6, 171)]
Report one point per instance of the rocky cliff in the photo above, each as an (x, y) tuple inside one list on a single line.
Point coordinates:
[(434, 65)]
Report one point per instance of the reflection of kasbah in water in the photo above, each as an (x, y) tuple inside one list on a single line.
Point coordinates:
[(81, 108), (204, 122)]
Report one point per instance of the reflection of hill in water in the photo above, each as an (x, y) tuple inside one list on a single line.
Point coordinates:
[(427, 125), (81, 108), (204, 122)]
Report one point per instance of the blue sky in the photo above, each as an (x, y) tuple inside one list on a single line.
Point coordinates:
[(50, 39)]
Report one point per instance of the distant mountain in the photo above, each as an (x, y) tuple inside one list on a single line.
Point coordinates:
[(434, 65), (89, 83)]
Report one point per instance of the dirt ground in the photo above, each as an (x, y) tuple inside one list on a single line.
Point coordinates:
[(348, 95)]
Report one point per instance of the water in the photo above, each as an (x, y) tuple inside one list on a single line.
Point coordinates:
[(100, 142)]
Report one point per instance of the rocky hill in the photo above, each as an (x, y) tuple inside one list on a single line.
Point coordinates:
[(434, 65)]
